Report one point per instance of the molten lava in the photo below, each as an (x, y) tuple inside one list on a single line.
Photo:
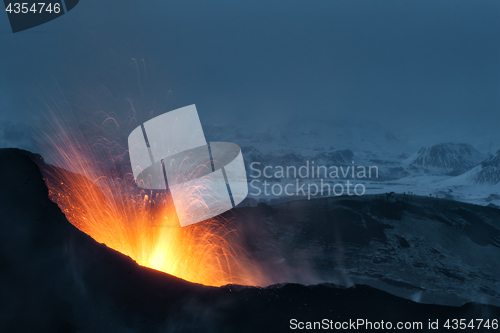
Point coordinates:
[(104, 203)]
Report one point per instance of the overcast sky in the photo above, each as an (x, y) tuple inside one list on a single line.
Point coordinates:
[(418, 67)]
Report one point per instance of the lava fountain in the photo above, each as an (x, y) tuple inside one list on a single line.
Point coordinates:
[(103, 201)]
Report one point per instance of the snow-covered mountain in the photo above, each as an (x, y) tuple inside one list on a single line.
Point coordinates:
[(480, 185), (446, 158), (488, 172)]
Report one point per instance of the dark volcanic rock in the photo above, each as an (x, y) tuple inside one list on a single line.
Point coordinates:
[(54, 278)]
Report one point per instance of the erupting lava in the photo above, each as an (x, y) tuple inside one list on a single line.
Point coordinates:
[(105, 203)]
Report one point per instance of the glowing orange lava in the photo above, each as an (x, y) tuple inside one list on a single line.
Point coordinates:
[(140, 224)]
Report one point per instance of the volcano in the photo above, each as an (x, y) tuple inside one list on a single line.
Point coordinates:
[(56, 278)]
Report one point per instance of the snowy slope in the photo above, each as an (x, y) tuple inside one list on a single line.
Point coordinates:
[(489, 171)]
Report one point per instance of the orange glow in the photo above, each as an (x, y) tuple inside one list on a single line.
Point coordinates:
[(138, 223)]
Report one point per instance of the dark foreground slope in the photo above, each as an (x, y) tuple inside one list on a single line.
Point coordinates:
[(53, 278), (421, 248)]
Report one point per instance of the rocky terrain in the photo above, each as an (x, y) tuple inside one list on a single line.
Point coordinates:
[(422, 248)]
